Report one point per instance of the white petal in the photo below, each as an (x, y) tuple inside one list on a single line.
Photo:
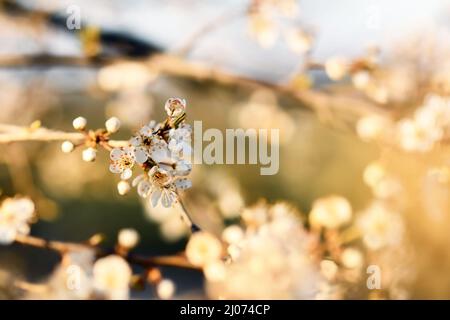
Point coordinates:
[(156, 194), (183, 184), (141, 155), (126, 174), (166, 199), (115, 154), (144, 189), (114, 168), (187, 149), (138, 179), (183, 167), (160, 153), (166, 168), (136, 141)]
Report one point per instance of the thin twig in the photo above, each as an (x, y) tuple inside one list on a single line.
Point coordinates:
[(351, 105), (12, 133), (178, 260), (187, 217), (207, 29)]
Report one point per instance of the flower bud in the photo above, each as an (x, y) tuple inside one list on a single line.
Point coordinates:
[(165, 289), (175, 107), (112, 125), (67, 147), (79, 123), (123, 187), (89, 154), (128, 238), (336, 68)]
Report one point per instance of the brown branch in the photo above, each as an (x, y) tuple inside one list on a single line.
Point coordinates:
[(42, 134), (178, 260), (11, 133), (351, 105), (45, 60), (319, 101)]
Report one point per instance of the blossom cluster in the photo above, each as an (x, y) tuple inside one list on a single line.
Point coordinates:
[(428, 126), (16, 214), (267, 258), (92, 138), (81, 275), (272, 255), (262, 25), (163, 151)]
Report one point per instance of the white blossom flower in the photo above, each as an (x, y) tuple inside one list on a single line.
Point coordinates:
[(262, 29), (352, 258), (215, 271), (233, 234), (372, 127), (330, 212), (429, 125), (72, 278), (158, 184), (273, 261), (361, 79), (298, 40), (122, 161), (160, 153), (380, 227), (144, 140), (149, 129), (112, 276), (418, 136), (15, 216), (203, 248), (161, 150)]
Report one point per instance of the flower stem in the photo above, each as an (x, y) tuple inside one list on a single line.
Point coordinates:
[(187, 217)]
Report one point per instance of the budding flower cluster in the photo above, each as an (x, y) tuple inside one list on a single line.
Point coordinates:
[(15, 217), (93, 139), (162, 150)]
